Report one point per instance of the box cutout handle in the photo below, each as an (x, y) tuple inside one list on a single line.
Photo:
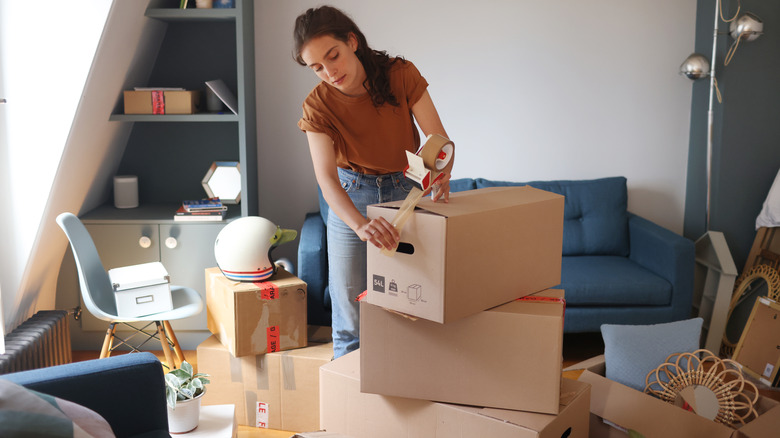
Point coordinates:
[(144, 299), (405, 248)]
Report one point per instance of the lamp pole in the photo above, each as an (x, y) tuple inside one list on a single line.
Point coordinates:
[(710, 118)]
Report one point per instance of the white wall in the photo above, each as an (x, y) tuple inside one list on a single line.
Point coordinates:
[(527, 90), (46, 50)]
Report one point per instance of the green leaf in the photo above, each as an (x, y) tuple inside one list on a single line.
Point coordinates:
[(187, 368), (170, 397)]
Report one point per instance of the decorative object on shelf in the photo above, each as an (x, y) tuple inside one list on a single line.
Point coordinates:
[(183, 392), (223, 181), (748, 285), (243, 248), (224, 94), (125, 191), (204, 4), (703, 383)]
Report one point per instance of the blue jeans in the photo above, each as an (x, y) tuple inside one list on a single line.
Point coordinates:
[(347, 253)]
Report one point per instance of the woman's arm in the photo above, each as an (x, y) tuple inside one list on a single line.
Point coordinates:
[(379, 231), (428, 118)]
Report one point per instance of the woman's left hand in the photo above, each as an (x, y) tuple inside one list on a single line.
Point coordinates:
[(440, 189)]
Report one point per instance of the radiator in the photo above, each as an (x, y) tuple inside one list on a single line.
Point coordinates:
[(41, 341)]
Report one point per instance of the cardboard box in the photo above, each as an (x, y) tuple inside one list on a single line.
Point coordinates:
[(275, 390), (626, 408), (141, 290), (758, 350), (484, 248), (507, 357), (256, 318), (344, 409), (174, 102)]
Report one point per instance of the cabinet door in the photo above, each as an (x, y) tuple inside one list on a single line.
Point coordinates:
[(121, 245), (186, 251)]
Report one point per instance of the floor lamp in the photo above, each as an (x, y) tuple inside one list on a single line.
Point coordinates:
[(716, 272)]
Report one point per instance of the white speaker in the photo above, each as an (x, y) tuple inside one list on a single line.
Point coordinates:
[(125, 191)]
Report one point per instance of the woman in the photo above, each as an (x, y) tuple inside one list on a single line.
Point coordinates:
[(358, 122)]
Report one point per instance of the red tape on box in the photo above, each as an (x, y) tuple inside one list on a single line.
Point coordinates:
[(268, 290), (545, 299), (158, 102), (272, 337)]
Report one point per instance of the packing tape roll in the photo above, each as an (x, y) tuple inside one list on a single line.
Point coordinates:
[(437, 154)]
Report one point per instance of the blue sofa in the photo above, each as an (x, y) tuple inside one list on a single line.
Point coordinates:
[(617, 267), (128, 391)]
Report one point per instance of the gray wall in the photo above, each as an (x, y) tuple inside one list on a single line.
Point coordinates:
[(746, 130), (527, 90)]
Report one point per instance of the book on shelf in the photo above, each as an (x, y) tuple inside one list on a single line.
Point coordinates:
[(210, 204), (222, 91), (208, 215)]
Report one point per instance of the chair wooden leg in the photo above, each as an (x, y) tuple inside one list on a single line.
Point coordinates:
[(172, 337), (166, 348), (108, 341)]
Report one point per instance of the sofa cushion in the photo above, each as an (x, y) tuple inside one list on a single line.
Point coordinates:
[(611, 281), (595, 219)]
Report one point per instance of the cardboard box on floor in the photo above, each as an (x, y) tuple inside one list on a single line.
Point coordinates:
[(256, 318), (276, 390), (176, 102), (346, 410), (484, 248), (506, 357), (628, 408)]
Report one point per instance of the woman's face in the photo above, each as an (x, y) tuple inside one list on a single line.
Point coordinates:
[(334, 61)]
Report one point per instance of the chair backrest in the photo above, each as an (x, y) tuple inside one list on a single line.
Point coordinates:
[(96, 290)]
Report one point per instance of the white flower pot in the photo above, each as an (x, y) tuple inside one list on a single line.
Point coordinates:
[(185, 417)]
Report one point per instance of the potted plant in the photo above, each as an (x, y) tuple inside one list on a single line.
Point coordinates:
[(183, 392)]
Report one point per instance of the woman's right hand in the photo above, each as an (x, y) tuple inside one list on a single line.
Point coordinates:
[(380, 233)]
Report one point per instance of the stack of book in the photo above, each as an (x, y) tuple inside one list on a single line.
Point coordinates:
[(210, 209)]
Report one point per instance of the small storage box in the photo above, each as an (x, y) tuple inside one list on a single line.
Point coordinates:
[(162, 102), (141, 289)]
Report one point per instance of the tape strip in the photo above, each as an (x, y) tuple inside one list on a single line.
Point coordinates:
[(272, 337), (288, 372), (268, 290), (261, 373), (261, 415), (158, 102), (236, 375)]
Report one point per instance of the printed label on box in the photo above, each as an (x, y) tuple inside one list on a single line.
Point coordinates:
[(768, 370), (272, 335), (261, 415)]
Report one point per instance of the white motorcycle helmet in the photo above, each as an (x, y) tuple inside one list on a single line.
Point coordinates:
[(243, 248)]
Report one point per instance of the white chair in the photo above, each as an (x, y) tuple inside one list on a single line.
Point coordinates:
[(98, 296)]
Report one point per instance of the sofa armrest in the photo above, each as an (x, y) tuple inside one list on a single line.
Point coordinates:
[(667, 254), (313, 268), (128, 391)]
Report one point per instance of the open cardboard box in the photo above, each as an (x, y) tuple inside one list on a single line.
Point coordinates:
[(483, 248), (507, 357), (615, 406), (346, 410)]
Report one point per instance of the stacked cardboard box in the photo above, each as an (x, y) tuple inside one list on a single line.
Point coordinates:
[(460, 333), (259, 358)]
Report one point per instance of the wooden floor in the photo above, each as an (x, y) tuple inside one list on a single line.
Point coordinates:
[(576, 348)]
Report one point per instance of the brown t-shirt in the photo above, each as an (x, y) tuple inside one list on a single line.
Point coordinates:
[(368, 139)]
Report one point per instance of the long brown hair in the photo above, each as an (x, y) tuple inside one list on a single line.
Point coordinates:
[(327, 20)]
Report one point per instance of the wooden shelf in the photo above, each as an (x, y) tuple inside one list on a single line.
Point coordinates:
[(175, 14), (203, 117), (148, 213)]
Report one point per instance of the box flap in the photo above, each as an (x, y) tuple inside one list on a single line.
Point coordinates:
[(479, 200), (135, 276), (631, 409)]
